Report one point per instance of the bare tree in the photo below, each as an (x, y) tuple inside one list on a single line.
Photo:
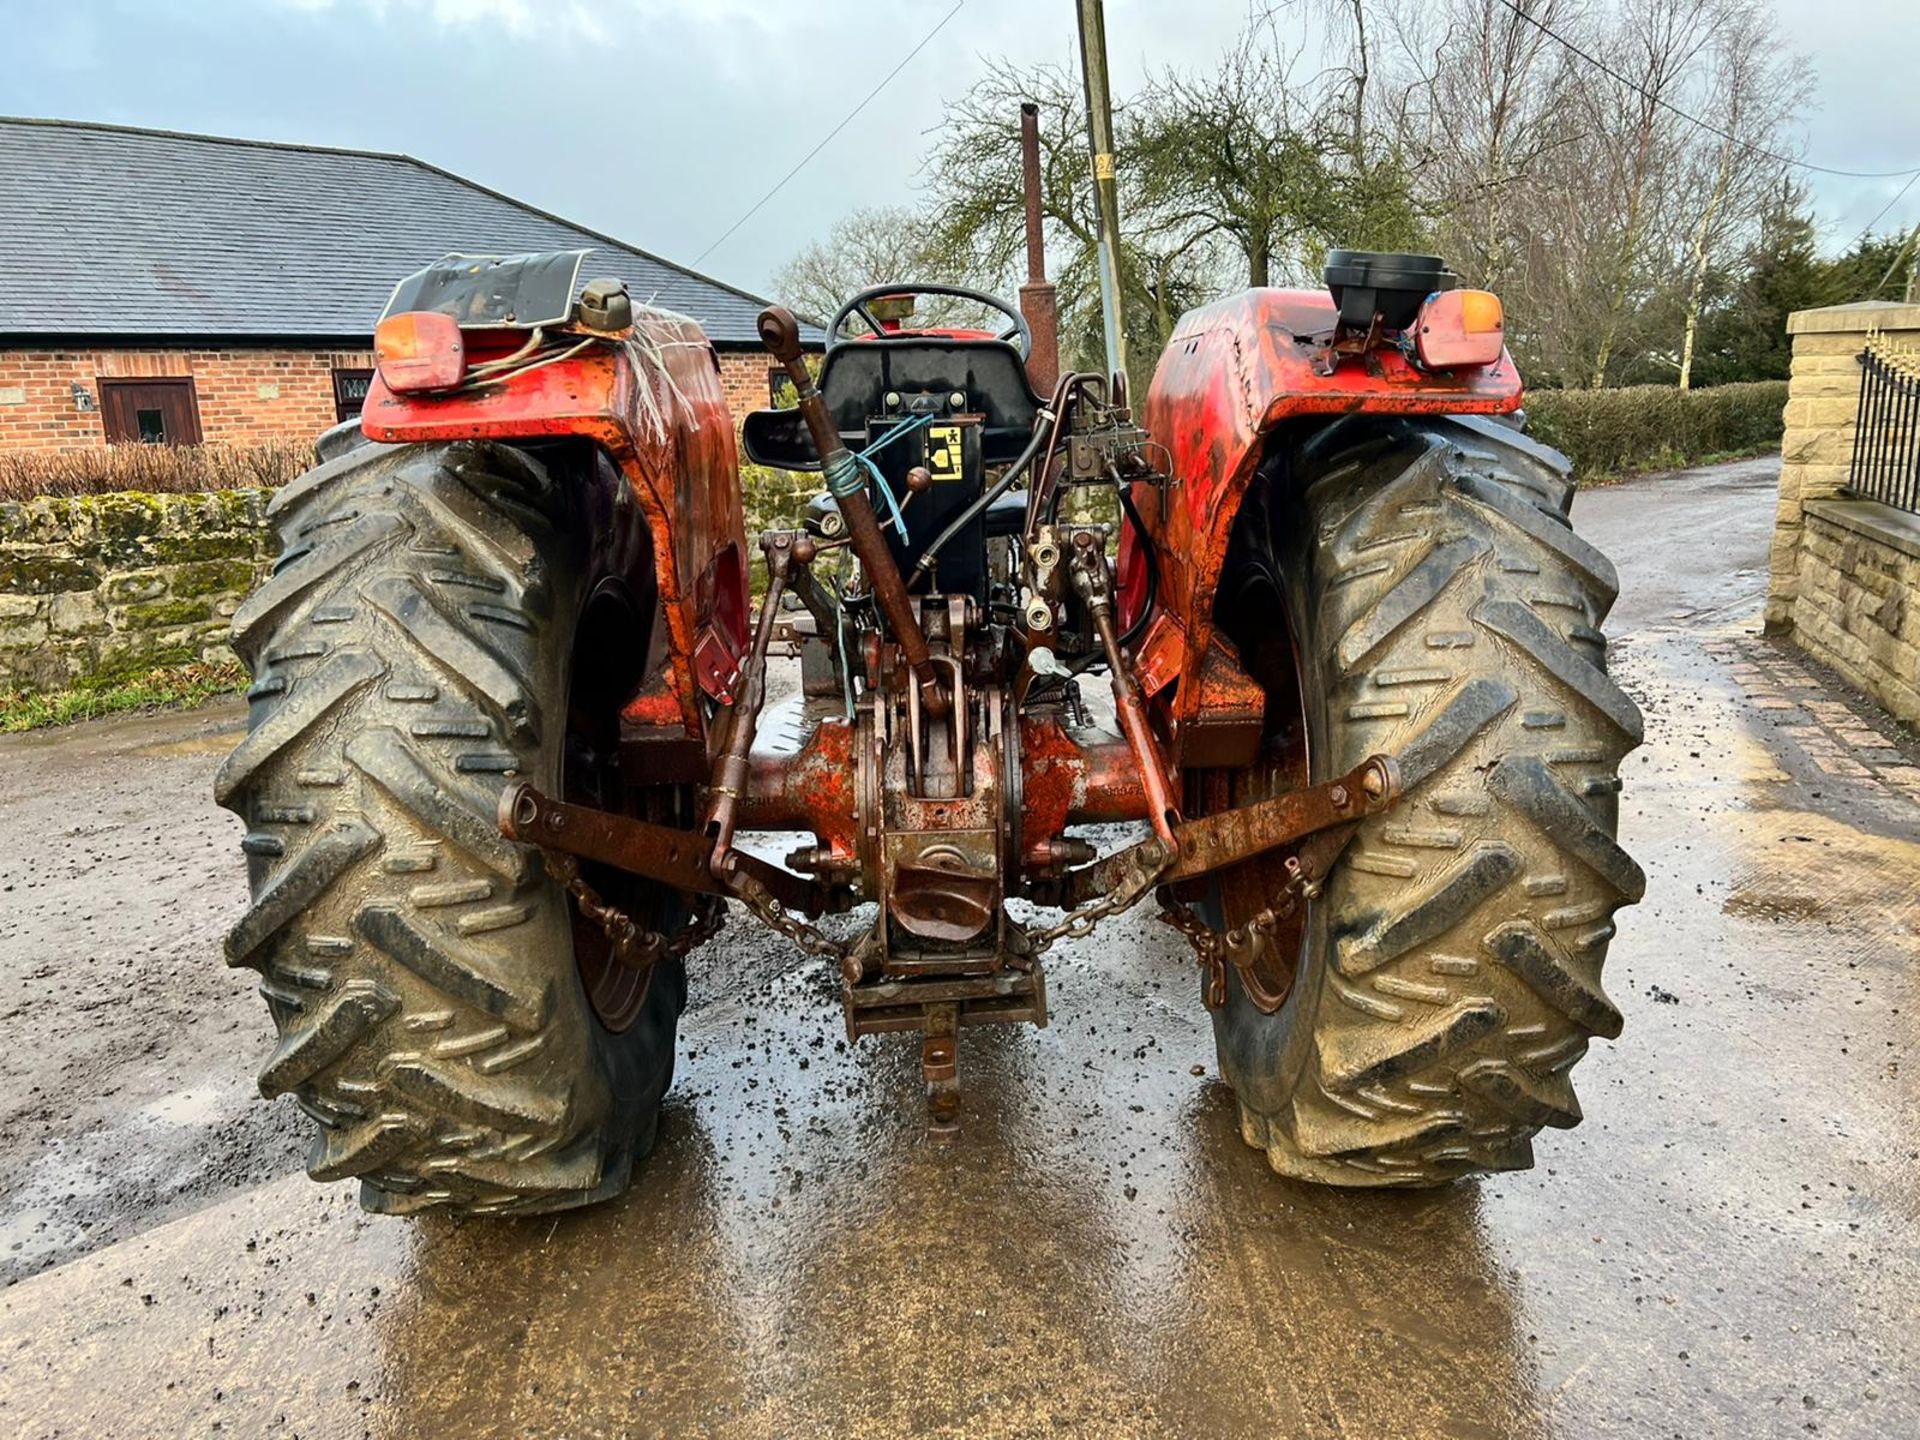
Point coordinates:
[(1603, 215), (1756, 90), (1499, 102), (1484, 101), (1654, 48), (1350, 41), (1539, 145), (866, 247)]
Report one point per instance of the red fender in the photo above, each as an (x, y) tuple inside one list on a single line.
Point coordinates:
[(656, 407), (1232, 372)]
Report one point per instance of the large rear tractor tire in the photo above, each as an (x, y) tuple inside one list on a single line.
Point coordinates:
[(411, 656), (1447, 979)]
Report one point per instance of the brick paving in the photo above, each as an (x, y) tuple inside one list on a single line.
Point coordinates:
[(1812, 711)]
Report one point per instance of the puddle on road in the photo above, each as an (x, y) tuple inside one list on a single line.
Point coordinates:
[(185, 1107), (28, 1234), (1811, 867), (1098, 1252), (218, 742)]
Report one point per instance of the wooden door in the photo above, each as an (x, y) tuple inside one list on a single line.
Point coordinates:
[(151, 412)]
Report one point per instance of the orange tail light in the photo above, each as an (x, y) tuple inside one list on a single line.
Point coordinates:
[(420, 350), (1460, 327)]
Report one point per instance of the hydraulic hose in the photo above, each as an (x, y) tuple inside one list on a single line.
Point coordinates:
[(847, 483), (993, 492), (1044, 492)]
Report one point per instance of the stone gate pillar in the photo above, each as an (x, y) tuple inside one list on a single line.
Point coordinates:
[(1845, 578), (1822, 399)]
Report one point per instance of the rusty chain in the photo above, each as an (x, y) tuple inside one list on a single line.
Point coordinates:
[(810, 938), (638, 949), (1153, 857), (641, 949), (633, 948), (1306, 876)]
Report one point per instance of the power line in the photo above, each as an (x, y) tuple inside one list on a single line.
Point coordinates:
[(1712, 129), (885, 80), (1898, 195)]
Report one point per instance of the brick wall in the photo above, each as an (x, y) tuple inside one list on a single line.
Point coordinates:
[(744, 376), (101, 587), (244, 393)]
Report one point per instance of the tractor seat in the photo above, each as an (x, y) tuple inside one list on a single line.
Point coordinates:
[(856, 378)]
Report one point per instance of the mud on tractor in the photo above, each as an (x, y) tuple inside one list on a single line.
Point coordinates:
[(511, 732)]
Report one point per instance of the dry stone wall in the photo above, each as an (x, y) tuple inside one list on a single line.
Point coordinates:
[(100, 588), (96, 589)]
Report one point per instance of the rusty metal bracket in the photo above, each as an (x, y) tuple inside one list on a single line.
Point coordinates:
[(1094, 582), (1214, 842), (783, 549), (680, 858), (940, 1066), (780, 333)]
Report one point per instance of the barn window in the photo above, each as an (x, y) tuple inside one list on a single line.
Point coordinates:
[(350, 392), (150, 412)]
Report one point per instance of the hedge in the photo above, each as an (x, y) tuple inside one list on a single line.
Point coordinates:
[(1656, 427), (152, 469)]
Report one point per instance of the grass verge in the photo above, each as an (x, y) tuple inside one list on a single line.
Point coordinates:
[(171, 689)]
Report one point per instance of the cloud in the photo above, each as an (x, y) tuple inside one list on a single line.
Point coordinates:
[(661, 121), (514, 17), (597, 20)]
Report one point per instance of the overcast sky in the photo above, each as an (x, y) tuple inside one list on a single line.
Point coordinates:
[(661, 121)]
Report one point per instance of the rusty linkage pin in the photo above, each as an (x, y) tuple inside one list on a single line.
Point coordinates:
[(730, 774)]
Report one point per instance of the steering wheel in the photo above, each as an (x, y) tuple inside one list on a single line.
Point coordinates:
[(1017, 333)]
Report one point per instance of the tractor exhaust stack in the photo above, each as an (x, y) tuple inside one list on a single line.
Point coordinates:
[(1038, 301)]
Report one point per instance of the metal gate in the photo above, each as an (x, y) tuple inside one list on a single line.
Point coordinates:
[(1886, 435)]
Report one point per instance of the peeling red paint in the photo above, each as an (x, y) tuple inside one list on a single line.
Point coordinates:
[(1232, 372), (657, 408)]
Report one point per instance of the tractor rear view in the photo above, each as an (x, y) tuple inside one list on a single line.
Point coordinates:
[(511, 723)]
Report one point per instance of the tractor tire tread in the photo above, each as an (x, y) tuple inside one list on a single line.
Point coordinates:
[(418, 966), (1437, 1036)]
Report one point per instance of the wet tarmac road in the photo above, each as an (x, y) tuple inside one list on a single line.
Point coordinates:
[(1730, 1244)]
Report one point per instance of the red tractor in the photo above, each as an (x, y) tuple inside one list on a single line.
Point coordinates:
[(509, 680)]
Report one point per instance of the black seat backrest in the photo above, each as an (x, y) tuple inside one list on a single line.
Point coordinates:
[(856, 377)]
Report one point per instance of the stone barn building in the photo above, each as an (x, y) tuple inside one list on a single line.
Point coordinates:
[(186, 288)]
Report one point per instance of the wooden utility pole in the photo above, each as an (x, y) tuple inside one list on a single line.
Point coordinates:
[(1106, 195)]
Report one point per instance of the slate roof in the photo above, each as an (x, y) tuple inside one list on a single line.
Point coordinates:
[(108, 231)]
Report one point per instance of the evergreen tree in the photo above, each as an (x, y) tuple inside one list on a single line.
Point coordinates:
[(1746, 336)]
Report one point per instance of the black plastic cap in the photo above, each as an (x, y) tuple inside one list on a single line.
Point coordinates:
[(1369, 282)]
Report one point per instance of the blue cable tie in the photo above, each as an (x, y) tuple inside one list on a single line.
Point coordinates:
[(880, 484), (905, 427)]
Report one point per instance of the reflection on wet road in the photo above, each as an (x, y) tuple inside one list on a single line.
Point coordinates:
[(1727, 1246)]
